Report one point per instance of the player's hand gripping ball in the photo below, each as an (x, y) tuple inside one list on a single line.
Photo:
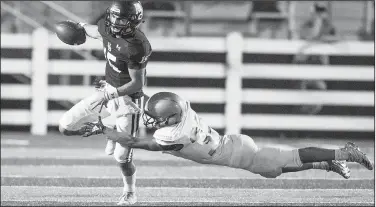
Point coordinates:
[(70, 32)]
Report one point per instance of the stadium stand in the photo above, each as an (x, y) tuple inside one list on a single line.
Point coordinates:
[(269, 19)]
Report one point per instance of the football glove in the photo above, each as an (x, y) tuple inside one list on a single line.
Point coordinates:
[(90, 129), (110, 92), (105, 92)]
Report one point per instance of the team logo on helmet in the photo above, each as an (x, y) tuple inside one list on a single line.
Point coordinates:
[(139, 11), (115, 9)]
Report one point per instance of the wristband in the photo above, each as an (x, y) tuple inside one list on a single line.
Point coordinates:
[(81, 24)]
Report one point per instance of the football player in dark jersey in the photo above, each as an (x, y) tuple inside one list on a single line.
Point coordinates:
[(126, 51)]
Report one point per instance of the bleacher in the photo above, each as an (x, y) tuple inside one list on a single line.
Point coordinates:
[(208, 18)]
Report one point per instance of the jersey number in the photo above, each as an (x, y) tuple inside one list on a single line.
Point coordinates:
[(110, 58), (206, 139), (145, 58)]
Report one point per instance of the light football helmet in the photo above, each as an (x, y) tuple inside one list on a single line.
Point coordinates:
[(163, 109), (123, 18)]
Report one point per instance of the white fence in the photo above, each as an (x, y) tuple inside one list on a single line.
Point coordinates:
[(232, 96)]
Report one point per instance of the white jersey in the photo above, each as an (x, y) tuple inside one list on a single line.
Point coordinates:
[(200, 141), (206, 146)]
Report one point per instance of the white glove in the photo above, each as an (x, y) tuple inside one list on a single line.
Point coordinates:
[(110, 92), (105, 92)]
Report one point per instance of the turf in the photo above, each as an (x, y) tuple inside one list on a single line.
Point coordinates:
[(195, 183), (168, 196), (60, 171)]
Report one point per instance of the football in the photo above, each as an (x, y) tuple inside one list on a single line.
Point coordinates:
[(70, 32)]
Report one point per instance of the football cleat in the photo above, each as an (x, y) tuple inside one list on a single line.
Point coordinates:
[(110, 147), (355, 155), (127, 198), (339, 167)]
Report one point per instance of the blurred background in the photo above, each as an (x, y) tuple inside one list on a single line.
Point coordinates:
[(271, 19), (306, 68), (290, 74)]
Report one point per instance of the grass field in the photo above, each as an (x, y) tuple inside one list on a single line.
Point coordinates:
[(56, 170)]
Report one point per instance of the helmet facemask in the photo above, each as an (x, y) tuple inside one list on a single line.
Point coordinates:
[(163, 109), (123, 19), (117, 25), (151, 121)]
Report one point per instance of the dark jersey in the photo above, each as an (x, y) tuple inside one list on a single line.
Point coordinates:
[(123, 54)]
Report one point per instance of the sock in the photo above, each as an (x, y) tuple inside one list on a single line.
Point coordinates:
[(340, 154), (128, 170), (129, 183), (321, 165)]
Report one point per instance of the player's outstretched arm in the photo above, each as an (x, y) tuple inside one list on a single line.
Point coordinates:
[(124, 138), (134, 142), (91, 31)]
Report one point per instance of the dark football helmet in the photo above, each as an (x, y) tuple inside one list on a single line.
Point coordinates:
[(161, 108), (123, 18)]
